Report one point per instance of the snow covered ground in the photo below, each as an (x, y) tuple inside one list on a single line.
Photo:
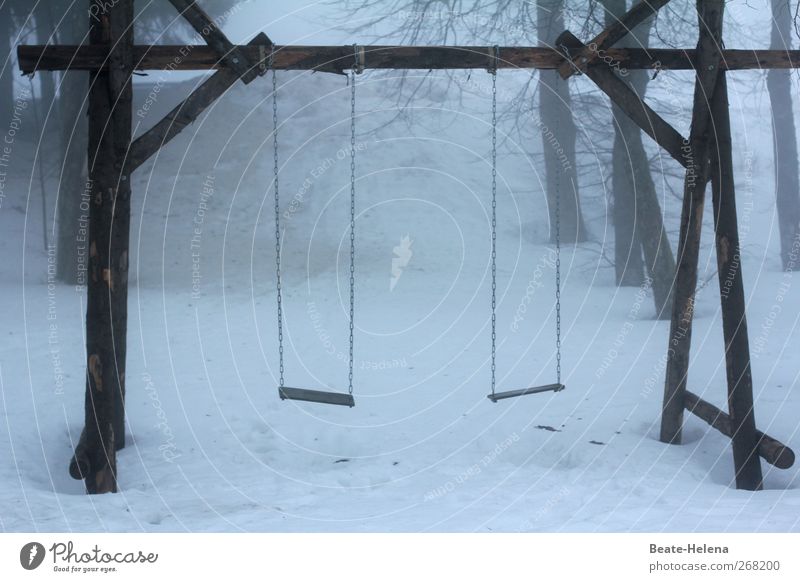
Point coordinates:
[(212, 448)]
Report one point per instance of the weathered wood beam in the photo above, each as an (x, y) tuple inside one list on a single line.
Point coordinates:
[(110, 125), (697, 176), (231, 55), (79, 464), (732, 298), (337, 59), (632, 105), (184, 114), (771, 450), (610, 36)]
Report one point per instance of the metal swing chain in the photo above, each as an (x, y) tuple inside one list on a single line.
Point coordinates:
[(494, 217), (558, 290), (277, 214), (356, 68), (558, 264)]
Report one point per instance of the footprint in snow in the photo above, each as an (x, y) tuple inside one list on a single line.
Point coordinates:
[(547, 428), (156, 519)]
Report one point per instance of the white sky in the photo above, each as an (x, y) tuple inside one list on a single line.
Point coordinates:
[(288, 22)]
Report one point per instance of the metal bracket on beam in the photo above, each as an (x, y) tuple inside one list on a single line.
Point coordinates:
[(565, 44), (262, 59), (186, 112), (360, 56), (494, 59), (229, 53)]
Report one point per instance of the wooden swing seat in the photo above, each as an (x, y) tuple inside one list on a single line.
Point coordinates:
[(533, 390), (318, 396)]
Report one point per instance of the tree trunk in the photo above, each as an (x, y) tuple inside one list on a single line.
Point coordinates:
[(787, 189), (46, 117), (9, 71), (47, 96), (639, 225), (72, 206), (628, 263), (558, 133), (659, 260)]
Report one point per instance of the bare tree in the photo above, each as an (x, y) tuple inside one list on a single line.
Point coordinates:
[(71, 221), (558, 131), (544, 97), (787, 171), (12, 17), (638, 221), (628, 262), (7, 29)]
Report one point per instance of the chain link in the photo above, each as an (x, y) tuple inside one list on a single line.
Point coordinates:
[(558, 260), (494, 219), (352, 212), (277, 215), (558, 294)]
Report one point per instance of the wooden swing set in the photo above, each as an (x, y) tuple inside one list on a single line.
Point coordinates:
[(111, 57)]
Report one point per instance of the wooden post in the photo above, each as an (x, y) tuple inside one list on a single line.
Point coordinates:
[(110, 119), (185, 112), (734, 321), (697, 154)]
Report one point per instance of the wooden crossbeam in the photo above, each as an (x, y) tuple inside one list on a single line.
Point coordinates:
[(771, 450), (185, 113), (610, 36), (338, 59), (226, 51)]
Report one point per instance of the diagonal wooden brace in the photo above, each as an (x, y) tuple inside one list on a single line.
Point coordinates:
[(771, 450), (229, 53), (186, 112), (632, 105), (609, 37)]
